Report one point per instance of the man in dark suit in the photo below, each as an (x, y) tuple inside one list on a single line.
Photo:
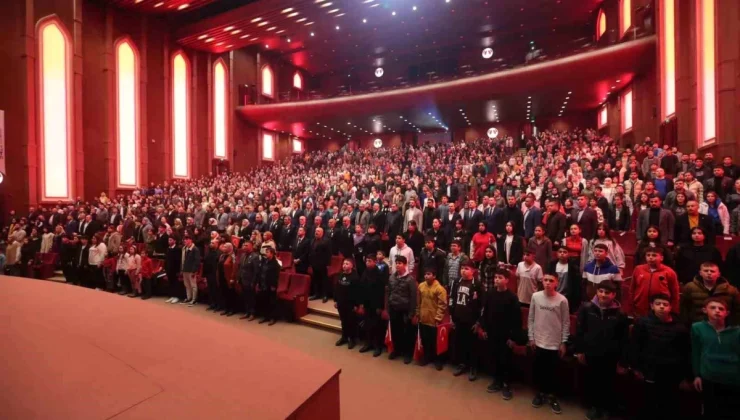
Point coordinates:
[(320, 259), (345, 242), (114, 219), (333, 235), (287, 236), (378, 218), (585, 217), (275, 226), (555, 223), (301, 250), (394, 222), (657, 215), (682, 229), (472, 216), (512, 213), (295, 213), (532, 216), (81, 264)]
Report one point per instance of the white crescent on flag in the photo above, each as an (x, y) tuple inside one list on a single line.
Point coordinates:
[(443, 332)]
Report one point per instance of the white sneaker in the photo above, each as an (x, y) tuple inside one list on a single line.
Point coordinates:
[(184, 302), (175, 300), (191, 304), (169, 300)]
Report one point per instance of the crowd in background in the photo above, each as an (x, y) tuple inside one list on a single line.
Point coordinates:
[(430, 231)]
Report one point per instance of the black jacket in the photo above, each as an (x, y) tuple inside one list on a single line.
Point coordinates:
[(372, 285), (575, 278), (173, 261), (440, 238), (191, 262), (682, 229), (210, 264), (555, 227), (501, 316), (301, 252), (516, 253), (269, 273), (624, 221), (250, 266), (320, 253), (434, 259), (348, 290), (601, 332), (660, 350), (287, 237), (346, 242), (689, 258), (465, 300)]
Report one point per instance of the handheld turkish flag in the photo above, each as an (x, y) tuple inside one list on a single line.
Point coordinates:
[(418, 348), (389, 338), (443, 335)]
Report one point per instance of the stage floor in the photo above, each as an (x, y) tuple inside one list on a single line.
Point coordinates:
[(75, 353)]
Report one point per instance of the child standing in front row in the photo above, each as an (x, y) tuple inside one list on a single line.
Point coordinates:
[(549, 327), (501, 322), (716, 361)]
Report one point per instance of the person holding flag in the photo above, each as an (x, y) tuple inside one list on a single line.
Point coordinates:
[(431, 307)]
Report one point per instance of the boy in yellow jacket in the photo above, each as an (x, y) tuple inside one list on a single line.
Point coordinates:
[(431, 307)]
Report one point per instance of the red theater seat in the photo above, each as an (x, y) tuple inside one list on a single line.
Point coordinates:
[(335, 267), (724, 243), (44, 264), (627, 240), (283, 283), (286, 258), (297, 294)]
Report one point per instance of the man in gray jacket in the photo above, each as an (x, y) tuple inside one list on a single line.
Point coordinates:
[(401, 305)]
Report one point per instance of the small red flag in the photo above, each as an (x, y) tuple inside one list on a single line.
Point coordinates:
[(443, 337), (389, 338), (418, 348)]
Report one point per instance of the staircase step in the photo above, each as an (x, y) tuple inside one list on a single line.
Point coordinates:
[(326, 322), (58, 278), (326, 309)]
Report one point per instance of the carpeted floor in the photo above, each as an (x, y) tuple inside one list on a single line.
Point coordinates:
[(378, 388)]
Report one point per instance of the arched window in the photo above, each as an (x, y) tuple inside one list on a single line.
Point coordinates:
[(298, 81), (55, 109), (127, 113), (220, 93), (627, 111), (268, 82), (625, 16), (706, 72), (181, 115), (600, 24)]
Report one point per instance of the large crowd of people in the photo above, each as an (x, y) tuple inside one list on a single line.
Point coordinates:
[(473, 231)]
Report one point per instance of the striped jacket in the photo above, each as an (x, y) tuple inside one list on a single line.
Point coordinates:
[(598, 273)]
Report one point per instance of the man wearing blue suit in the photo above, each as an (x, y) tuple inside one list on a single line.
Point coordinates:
[(532, 216)]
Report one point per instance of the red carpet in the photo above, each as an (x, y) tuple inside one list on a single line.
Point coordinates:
[(74, 353)]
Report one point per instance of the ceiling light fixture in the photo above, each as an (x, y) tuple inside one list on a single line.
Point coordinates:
[(280, 31), (158, 4), (300, 20), (364, 20), (204, 36), (236, 31), (326, 4), (293, 14), (312, 34), (368, 1), (228, 28), (257, 19), (209, 40), (244, 36), (341, 14), (413, 8), (288, 10), (263, 23), (183, 6), (272, 28), (393, 13), (337, 27), (332, 11)]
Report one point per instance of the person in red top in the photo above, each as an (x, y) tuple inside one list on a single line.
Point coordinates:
[(650, 279), (147, 274), (481, 240)]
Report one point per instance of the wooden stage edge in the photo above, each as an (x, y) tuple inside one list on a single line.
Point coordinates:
[(74, 353)]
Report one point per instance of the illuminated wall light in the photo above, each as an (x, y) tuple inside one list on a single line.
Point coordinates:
[(127, 113), (267, 81), (600, 24), (667, 41), (706, 68), (180, 116), (627, 111), (298, 81), (268, 146), (219, 110), (55, 114), (603, 117), (625, 16)]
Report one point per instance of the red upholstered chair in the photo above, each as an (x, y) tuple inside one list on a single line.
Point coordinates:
[(44, 264), (140, 246), (286, 258), (724, 243), (627, 240), (201, 282), (297, 294), (335, 267), (283, 283)]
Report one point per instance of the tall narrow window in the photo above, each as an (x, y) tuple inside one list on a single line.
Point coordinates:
[(55, 114), (180, 115), (667, 38), (268, 146), (627, 111), (127, 112), (603, 117), (625, 16), (297, 146), (267, 82), (298, 81), (706, 67), (600, 24), (219, 109)]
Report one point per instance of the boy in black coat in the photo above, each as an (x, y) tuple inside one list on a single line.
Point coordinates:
[(570, 278), (602, 332), (347, 297), (172, 265), (501, 326), (465, 298), (372, 284), (660, 351)]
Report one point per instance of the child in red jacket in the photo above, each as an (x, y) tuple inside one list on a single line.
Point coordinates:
[(650, 279)]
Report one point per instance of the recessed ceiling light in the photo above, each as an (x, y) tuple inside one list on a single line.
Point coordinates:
[(288, 10), (257, 19), (267, 46), (311, 33), (183, 6), (159, 4), (341, 14), (272, 28), (204, 36), (337, 27), (244, 36), (219, 43), (300, 20), (375, 5), (393, 13), (309, 23), (228, 28), (293, 14), (413, 8), (368, 1), (229, 46), (280, 31), (569, 93), (209, 40), (326, 4), (332, 11), (364, 20), (236, 31)]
